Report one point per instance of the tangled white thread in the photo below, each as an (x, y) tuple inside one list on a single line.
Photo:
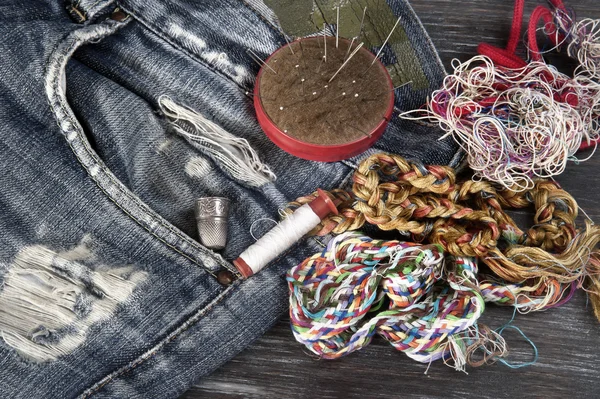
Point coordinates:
[(514, 124)]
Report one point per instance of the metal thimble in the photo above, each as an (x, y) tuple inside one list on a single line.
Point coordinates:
[(211, 216)]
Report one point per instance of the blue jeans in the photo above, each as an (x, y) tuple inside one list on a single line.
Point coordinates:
[(105, 290)]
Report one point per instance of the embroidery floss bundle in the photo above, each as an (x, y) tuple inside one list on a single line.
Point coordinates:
[(334, 290), (584, 42), (518, 121), (469, 219), (426, 299), (544, 294), (580, 38), (341, 285)]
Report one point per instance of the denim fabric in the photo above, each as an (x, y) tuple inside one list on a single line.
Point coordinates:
[(105, 290)]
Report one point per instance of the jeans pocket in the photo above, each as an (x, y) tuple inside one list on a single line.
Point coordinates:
[(96, 168)]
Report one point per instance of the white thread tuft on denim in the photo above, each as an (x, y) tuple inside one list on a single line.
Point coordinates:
[(217, 59), (232, 153)]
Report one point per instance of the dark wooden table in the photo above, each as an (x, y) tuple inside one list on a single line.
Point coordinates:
[(567, 338)]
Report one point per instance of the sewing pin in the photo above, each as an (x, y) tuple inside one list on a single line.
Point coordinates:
[(302, 55), (325, 41), (337, 28), (385, 42), (402, 85), (258, 60), (340, 96), (346, 62), (362, 23), (288, 42), (349, 47), (250, 94), (360, 130)]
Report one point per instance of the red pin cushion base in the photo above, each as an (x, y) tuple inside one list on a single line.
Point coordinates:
[(316, 152)]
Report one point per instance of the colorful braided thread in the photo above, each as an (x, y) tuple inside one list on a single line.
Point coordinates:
[(333, 291), (540, 295), (358, 287)]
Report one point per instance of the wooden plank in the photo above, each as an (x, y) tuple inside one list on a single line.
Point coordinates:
[(568, 338)]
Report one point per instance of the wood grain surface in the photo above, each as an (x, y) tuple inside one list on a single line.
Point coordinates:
[(567, 338)]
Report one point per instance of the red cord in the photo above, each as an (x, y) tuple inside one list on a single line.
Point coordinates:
[(558, 4), (515, 30), (539, 13), (507, 57), (500, 56)]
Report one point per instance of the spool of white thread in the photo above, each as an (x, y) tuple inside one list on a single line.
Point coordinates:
[(284, 235)]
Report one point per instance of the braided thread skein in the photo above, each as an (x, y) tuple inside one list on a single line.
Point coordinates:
[(468, 219), (540, 295)]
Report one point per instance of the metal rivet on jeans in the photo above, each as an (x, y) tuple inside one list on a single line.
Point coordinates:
[(118, 15), (225, 277)]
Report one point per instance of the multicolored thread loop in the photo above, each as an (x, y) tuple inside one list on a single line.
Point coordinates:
[(515, 125), (581, 39), (334, 290), (519, 121)]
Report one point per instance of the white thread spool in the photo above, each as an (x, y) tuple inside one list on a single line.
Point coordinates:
[(284, 235)]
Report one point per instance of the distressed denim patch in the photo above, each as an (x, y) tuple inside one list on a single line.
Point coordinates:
[(49, 299)]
